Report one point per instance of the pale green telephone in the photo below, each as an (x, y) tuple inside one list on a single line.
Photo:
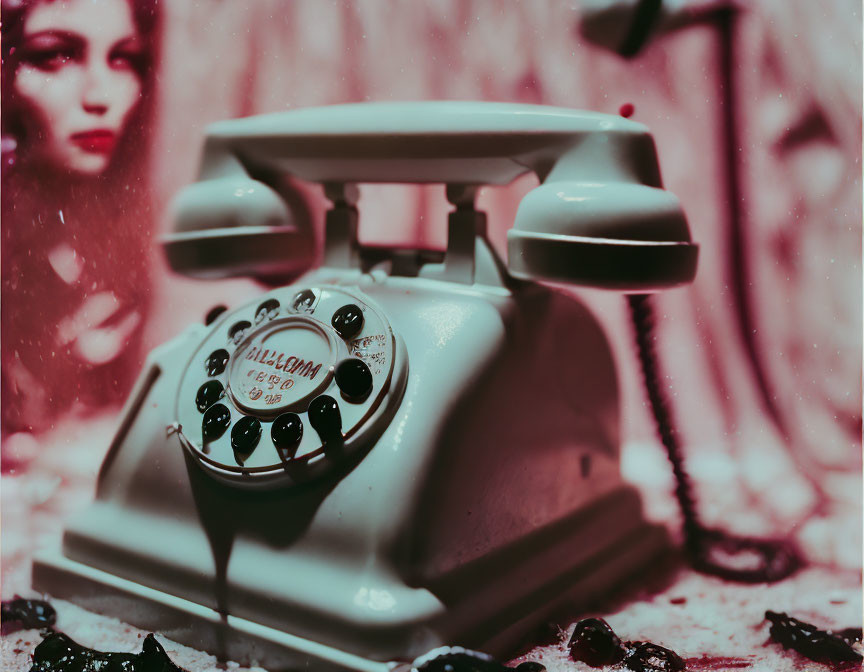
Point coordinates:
[(399, 450)]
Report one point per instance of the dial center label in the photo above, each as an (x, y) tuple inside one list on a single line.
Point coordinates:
[(280, 366)]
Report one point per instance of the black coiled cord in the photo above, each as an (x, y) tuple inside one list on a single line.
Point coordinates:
[(710, 551)]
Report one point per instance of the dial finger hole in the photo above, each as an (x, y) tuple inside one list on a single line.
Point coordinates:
[(354, 379), (238, 331), (286, 432), (215, 422), (267, 311), (208, 394), (325, 418), (244, 438), (216, 362)]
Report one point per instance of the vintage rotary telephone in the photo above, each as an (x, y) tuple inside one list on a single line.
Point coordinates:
[(401, 449)]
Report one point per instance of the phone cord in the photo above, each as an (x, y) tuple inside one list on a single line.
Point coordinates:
[(709, 550)]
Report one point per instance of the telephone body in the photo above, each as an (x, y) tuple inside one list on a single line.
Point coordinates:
[(402, 449)]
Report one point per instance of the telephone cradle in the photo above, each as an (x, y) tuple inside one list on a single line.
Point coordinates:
[(402, 449)]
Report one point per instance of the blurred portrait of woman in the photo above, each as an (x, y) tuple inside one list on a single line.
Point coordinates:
[(76, 217)]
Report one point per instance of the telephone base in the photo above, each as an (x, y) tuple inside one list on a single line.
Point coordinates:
[(500, 632)]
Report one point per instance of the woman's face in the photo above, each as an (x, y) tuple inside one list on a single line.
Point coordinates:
[(78, 81)]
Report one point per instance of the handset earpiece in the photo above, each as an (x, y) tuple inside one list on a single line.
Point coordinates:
[(230, 224), (601, 218), (613, 235)]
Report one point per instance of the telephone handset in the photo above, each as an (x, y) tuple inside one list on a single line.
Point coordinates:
[(399, 450), (599, 218)]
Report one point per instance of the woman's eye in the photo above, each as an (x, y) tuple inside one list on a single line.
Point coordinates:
[(125, 60), (50, 60)]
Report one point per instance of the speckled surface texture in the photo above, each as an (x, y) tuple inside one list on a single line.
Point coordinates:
[(713, 624)]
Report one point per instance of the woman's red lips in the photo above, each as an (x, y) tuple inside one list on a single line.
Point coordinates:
[(99, 141)]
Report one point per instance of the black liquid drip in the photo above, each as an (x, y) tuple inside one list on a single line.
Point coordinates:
[(60, 653), (325, 418), (244, 438), (823, 646), (710, 551), (29, 614)]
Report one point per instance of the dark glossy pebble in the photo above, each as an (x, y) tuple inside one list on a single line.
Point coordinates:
[(214, 313), (303, 301), (593, 642), (648, 657), (244, 437), (813, 642), (29, 613), (238, 330), (354, 378), (457, 659), (530, 666), (208, 394), (325, 418), (286, 431), (348, 321), (267, 311), (215, 422), (216, 362), (60, 653)]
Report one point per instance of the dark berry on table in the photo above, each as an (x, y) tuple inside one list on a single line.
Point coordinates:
[(29, 613), (216, 362), (457, 659), (530, 666), (812, 642), (593, 642), (648, 657)]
